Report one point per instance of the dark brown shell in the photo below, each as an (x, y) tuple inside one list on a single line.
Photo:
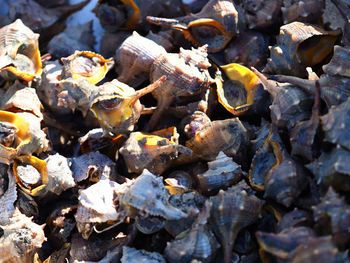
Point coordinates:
[(307, 11)]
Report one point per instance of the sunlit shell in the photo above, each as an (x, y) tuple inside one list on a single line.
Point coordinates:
[(222, 173), (117, 106), (151, 151), (214, 25), (86, 64), (198, 243), (7, 201), (19, 52)]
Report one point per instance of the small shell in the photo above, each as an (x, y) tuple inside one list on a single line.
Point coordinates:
[(19, 52), (307, 11), (214, 25), (338, 64), (294, 219), (262, 14), (332, 168), (151, 200), (98, 204), (132, 255), (230, 212), (222, 173), (134, 59), (117, 106), (298, 46), (333, 213), (151, 151), (86, 64), (198, 243)]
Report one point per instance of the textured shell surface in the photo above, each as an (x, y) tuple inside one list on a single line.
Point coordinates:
[(132, 255), (339, 63), (151, 200), (7, 200), (309, 11)]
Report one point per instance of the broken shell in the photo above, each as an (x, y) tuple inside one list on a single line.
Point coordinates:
[(132, 255), (151, 151), (134, 59), (300, 45), (187, 75), (214, 25), (222, 173), (117, 106), (231, 211), (19, 52), (199, 243), (238, 93), (98, 204), (307, 11), (86, 64), (262, 14)]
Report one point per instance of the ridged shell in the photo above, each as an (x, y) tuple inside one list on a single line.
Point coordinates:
[(134, 59), (132, 255), (307, 11), (19, 52), (147, 195), (199, 243), (230, 212), (222, 173)]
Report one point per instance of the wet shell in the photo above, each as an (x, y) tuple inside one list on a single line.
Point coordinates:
[(117, 106), (86, 64), (198, 243), (222, 173), (132, 255), (149, 201), (134, 59), (151, 151), (231, 211), (19, 52), (332, 168), (300, 45), (214, 25), (307, 11), (98, 204), (333, 214)]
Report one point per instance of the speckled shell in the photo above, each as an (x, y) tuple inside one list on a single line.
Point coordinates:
[(151, 151), (262, 14), (198, 243), (132, 255), (86, 64), (222, 173), (297, 47), (98, 204), (148, 196), (19, 52), (20, 240), (117, 106), (333, 213), (229, 136), (282, 244), (332, 168), (231, 211), (214, 25), (307, 11), (134, 59)]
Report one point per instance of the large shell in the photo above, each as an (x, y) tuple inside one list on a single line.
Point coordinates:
[(333, 214), (214, 25), (300, 45), (232, 210), (134, 59), (19, 52), (86, 64), (117, 106), (132, 255), (198, 243), (155, 152), (187, 75), (222, 173), (332, 168)]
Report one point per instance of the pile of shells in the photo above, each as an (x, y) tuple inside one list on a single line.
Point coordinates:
[(201, 131)]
